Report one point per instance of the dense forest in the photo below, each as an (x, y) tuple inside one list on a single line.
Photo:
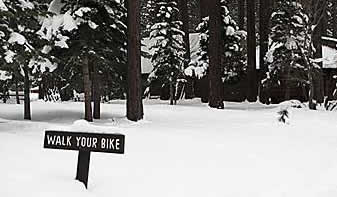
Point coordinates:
[(217, 50)]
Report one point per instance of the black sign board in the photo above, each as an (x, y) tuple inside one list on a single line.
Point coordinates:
[(84, 143), (94, 142)]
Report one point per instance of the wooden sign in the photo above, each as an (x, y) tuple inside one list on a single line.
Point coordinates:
[(94, 142), (84, 143)]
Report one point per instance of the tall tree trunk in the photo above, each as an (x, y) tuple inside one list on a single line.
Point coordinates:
[(251, 44), (264, 32), (204, 12), (319, 18), (287, 83), (134, 90), (216, 85), (27, 112), (171, 92), (204, 88), (308, 64), (16, 81), (183, 15), (242, 14), (96, 93), (204, 8), (87, 90), (265, 8), (41, 87)]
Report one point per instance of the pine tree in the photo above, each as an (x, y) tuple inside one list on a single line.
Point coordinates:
[(92, 34), (290, 52), (148, 15), (168, 58), (21, 45), (233, 57)]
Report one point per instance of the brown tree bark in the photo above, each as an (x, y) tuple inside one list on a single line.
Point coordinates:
[(215, 77), (264, 27), (171, 92), (251, 44), (183, 15), (16, 81), (27, 111), (204, 8), (242, 13), (87, 89), (319, 18), (265, 11), (96, 86), (134, 89)]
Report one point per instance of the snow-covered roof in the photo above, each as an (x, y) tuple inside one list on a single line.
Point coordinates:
[(329, 38), (329, 57), (146, 62)]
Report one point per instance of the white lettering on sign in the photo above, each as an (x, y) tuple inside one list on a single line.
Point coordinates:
[(117, 144), (94, 143), (112, 144), (51, 139), (88, 142), (59, 140), (68, 141), (78, 141)]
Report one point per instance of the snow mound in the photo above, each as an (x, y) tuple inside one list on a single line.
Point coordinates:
[(92, 127), (3, 120), (293, 104)]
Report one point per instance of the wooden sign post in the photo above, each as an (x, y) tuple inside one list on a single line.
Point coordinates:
[(85, 143)]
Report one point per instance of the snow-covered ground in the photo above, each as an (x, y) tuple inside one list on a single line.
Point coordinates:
[(186, 150)]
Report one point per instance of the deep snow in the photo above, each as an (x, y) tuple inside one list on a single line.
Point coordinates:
[(177, 151)]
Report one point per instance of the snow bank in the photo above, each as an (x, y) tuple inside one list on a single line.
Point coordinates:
[(293, 104), (85, 126)]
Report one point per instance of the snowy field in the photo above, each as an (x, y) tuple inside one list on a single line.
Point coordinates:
[(186, 150)]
